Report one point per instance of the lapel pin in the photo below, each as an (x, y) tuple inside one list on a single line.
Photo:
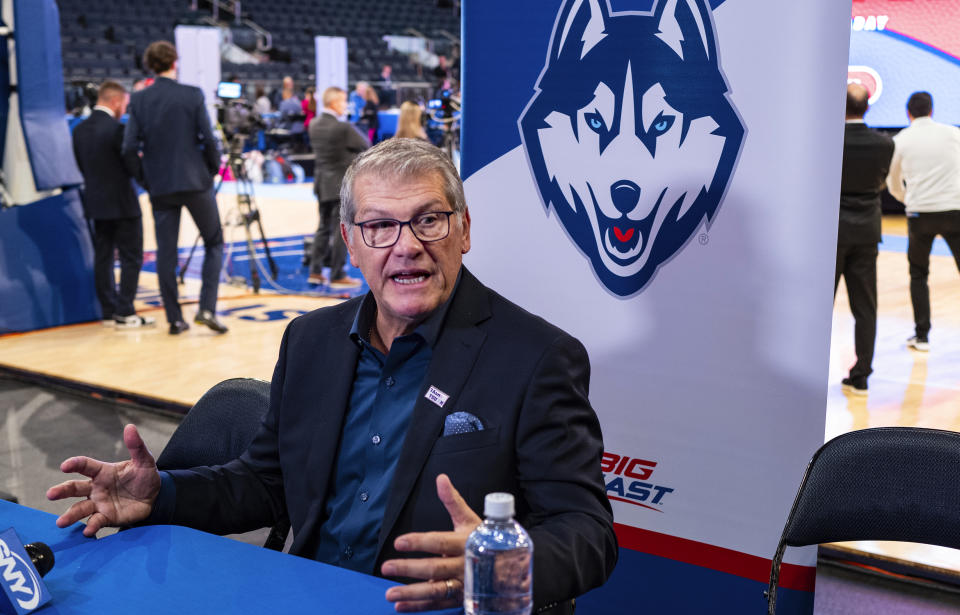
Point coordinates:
[(437, 396)]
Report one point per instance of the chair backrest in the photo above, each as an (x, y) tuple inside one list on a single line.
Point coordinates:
[(885, 483), (220, 427)]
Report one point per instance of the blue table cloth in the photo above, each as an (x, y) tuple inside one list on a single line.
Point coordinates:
[(167, 568)]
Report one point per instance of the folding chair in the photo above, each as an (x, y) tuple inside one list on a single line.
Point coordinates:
[(887, 483), (218, 429)]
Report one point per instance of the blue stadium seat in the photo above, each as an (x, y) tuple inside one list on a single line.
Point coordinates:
[(292, 24)]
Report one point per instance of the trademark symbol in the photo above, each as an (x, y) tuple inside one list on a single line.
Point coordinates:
[(704, 239)]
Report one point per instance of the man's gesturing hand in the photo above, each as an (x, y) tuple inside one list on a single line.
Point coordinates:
[(442, 587), (116, 493)]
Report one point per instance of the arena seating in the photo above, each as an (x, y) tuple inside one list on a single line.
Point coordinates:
[(105, 38)]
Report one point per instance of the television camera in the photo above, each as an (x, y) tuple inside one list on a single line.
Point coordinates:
[(444, 113), (236, 115)]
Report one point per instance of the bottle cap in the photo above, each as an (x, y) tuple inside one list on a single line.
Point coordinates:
[(498, 506)]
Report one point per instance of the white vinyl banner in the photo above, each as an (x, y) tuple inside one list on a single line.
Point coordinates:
[(663, 184), (198, 49), (331, 53)]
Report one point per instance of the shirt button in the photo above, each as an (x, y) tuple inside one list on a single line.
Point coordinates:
[(348, 552), (389, 381), (364, 496), (375, 439)]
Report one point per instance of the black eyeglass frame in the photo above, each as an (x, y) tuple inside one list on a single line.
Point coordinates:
[(400, 226)]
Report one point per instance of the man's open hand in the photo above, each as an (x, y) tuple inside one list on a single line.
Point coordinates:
[(442, 585), (119, 493)]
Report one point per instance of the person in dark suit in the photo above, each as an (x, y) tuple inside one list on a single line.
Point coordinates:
[(169, 139), (393, 414), (866, 161), (335, 145), (111, 204)]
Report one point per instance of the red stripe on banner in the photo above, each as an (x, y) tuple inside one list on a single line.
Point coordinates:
[(702, 554)]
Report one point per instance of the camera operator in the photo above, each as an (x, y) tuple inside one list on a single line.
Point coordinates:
[(170, 130)]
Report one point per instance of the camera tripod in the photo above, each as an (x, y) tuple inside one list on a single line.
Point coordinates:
[(248, 213)]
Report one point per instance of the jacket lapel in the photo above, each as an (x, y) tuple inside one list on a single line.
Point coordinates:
[(455, 352), (331, 392)]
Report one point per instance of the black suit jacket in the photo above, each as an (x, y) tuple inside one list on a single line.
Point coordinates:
[(866, 161), (335, 145), (524, 378), (107, 191), (170, 126)]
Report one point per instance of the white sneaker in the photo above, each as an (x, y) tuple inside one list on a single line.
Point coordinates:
[(134, 321), (919, 343)]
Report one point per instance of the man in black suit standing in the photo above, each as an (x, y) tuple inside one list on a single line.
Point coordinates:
[(335, 145), (110, 202), (169, 132), (866, 160)]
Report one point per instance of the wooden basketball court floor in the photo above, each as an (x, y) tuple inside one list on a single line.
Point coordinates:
[(908, 388)]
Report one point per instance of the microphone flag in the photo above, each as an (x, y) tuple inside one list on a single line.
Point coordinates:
[(23, 590)]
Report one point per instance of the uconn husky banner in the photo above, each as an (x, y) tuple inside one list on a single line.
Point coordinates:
[(661, 179)]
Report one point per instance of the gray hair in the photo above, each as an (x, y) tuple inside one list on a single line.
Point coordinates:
[(402, 158)]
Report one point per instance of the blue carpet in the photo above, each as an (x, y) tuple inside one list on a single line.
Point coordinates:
[(898, 243)]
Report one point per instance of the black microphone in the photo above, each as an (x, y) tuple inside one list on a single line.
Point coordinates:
[(41, 555)]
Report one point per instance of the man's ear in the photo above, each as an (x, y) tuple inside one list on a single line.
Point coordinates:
[(465, 247), (348, 241)]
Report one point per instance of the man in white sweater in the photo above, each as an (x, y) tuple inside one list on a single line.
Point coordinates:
[(925, 176)]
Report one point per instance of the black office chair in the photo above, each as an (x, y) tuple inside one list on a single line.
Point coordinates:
[(886, 483), (218, 429)]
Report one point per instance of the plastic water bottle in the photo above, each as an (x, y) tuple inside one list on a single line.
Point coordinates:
[(498, 575)]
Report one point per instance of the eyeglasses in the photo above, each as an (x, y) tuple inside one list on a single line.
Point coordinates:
[(385, 232)]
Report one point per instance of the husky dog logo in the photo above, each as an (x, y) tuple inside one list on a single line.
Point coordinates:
[(630, 136)]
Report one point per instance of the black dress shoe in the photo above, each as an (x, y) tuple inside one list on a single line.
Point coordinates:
[(208, 318), (176, 328)]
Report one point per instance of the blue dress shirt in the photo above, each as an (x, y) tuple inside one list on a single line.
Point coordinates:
[(385, 389)]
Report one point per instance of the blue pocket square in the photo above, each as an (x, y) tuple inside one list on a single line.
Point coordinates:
[(461, 422)]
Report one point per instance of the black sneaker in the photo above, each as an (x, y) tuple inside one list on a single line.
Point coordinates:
[(176, 328), (919, 343), (208, 318), (855, 386)]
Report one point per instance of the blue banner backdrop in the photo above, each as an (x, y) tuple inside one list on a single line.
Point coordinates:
[(40, 87), (46, 265)]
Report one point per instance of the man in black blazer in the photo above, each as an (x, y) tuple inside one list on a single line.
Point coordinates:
[(380, 405), (169, 139), (866, 160), (335, 145), (111, 204)]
